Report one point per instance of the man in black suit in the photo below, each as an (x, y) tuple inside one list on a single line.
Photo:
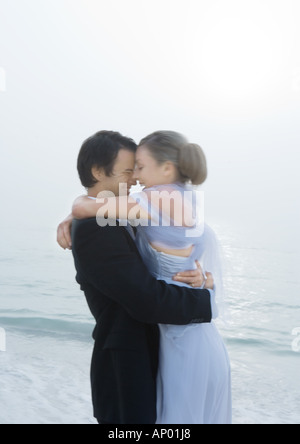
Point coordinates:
[(125, 300)]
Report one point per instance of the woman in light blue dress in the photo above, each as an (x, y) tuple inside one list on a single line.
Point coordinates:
[(194, 378)]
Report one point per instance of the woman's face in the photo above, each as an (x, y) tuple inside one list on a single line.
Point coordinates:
[(149, 172)]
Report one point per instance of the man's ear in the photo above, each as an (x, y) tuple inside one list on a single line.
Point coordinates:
[(98, 173)]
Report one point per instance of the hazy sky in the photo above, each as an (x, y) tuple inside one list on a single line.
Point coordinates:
[(226, 73)]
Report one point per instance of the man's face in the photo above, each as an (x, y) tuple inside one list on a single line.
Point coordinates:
[(122, 173)]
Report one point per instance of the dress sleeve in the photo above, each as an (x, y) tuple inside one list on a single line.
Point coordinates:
[(143, 199)]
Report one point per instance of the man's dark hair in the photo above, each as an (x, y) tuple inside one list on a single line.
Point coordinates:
[(101, 151)]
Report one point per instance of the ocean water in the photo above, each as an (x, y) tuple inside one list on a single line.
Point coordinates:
[(44, 371)]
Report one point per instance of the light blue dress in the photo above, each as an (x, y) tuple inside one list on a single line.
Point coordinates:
[(194, 377)]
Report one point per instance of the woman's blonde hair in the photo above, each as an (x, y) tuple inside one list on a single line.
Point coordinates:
[(189, 158)]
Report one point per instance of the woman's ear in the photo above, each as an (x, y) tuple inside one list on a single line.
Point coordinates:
[(169, 169), (98, 173)]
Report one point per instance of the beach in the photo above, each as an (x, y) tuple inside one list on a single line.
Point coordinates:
[(44, 371)]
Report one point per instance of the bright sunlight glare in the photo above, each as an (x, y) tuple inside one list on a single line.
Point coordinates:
[(241, 49), (214, 51)]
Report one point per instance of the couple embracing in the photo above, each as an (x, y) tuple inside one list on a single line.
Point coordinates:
[(158, 356)]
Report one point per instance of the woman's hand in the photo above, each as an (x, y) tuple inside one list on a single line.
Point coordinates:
[(194, 278), (64, 233), (209, 283)]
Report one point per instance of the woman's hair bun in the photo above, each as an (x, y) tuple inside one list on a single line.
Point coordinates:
[(192, 163)]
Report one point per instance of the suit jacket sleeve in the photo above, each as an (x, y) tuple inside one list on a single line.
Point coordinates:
[(107, 262)]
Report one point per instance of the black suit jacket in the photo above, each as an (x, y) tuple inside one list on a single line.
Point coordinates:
[(127, 303)]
